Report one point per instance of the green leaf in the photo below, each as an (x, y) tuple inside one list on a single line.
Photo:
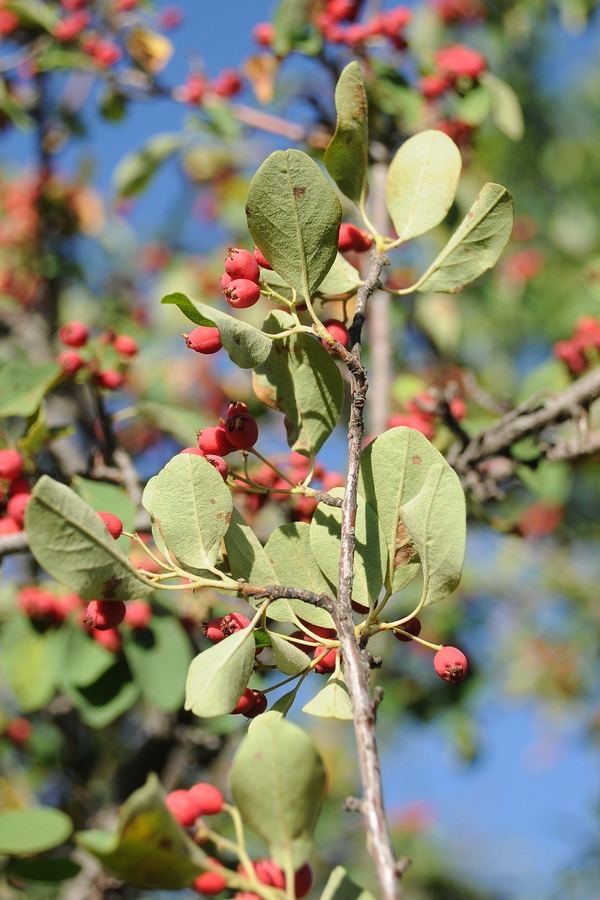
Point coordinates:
[(347, 155), (421, 183), (23, 387), (192, 508), (72, 544), (30, 661), (218, 676), (301, 380), (284, 703), (46, 869), (149, 849), (289, 658), (507, 114), (39, 435), (437, 521), (294, 217), (245, 345), (333, 702), (59, 58), (294, 29), (83, 660), (290, 554), (103, 497), (342, 278), (476, 244), (14, 110), (278, 781), (370, 559), (550, 481), (27, 831), (159, 657), (393, 469), (246, 555), (104, 700), (135, 171), (475, 107), (340, 887), (34, 12), (147, 501), (183, 424)]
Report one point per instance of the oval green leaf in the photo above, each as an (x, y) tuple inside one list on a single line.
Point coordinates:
[(219, 675), (159, 657), (421, 183), (333, 702), (507, 114), (31, 662), (72, 544), (246, 555), (294, 217), (23, 387), (24, 832), (347, 155), (290, 555), (342, 278), (476, 244), (289, 658)]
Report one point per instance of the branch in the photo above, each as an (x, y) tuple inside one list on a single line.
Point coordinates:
[(13, 543), (278, 592)]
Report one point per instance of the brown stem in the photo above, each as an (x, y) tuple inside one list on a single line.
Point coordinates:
[(380, 334), (356, 666)]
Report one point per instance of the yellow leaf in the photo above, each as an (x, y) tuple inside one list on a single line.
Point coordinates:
[(150, 50)]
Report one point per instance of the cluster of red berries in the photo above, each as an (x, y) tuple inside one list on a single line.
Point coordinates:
[(252, 703), (73, 27), (353, 240), (582, 349), (267, 872), (454, 12), (327, 656), (453, 64), (338, 24), (187, 807), (14, 491), (422, 411), (196, 88), (241, 280), (239, 431), (76, 335)]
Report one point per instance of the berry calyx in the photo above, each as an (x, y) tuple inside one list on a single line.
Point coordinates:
[(241, 293), (451, 664), (125, 345), (353, 238), (208, 798), (113, 524), (182, 807), (204, 339), (241, 264), (11, 465), (220, 465), (261, 259), (210, 883), (242, 431), (214, 441), (258, 707), (412, 627), (70, 361), (245, 703), (16, 507), (220, 628), (74, 334), (338, 331), (236, 409), (105, 614)]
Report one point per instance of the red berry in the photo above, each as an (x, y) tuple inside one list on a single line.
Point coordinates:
[(236, 409), (459, 61), (225, 280), (125, 345), (220, 628), (263, 34), (458, 408), (16, 507), (111, 379), (261, 259), (227, 83), (204, 339), (338, 331), (220, 465), (138, 614), (19, 731), (70, 361), (74, 334), (413, 626), (327, 665), (319, 630), (214, 441), (109, 639), (9, 22), (210, 883), (450, 664), (268, 872), (303, 881), (240, 264), (11, 464), (259, 705), (209, 799), (241, 431), (69, 28), (113, 524), (352, 238), (105, 614), (106, 54), (36, 603), (194, 451), (182, 808), (245, 703), (8, 526), (242, 293)]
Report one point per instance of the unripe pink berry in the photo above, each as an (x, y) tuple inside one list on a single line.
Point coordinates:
[(261, 259), (111, 379), (214, 441), (138, 614), (70, 361), (109, 639), (208, 799), (194, 451), (240, 264), (327, 665), (105, 614), (258, 707), (210, 883), (204, 339), (182, 808), (18, 731), (74, 334), (8, 526), (352, 238), (245, 703), (220, 465), (450, 664), (413, 626), (338, 331), (126, 345), (220, 628), (16, 507), (263, 34), (242, 293), (11, 464), (242, 431), (113, 524)]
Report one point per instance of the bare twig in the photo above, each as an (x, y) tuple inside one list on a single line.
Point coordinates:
[(13, 543), (278, 592), (380, 334)]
